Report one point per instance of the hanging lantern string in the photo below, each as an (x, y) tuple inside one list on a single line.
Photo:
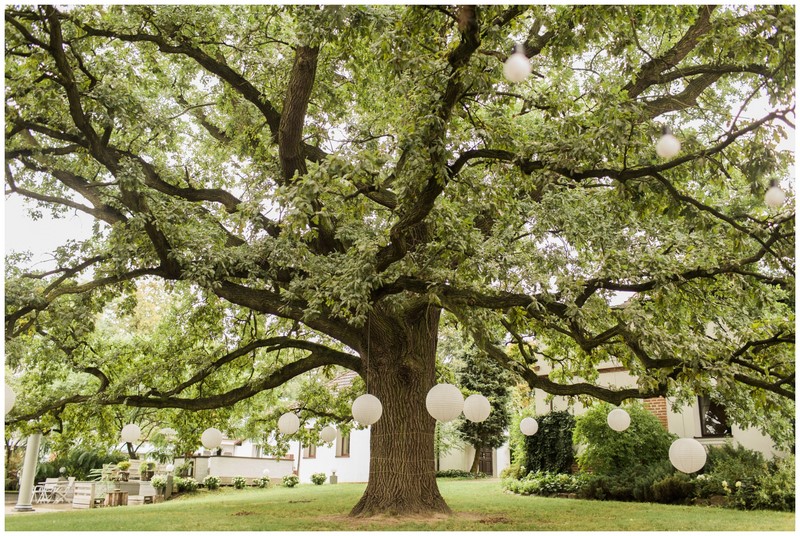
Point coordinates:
[(366, 381)]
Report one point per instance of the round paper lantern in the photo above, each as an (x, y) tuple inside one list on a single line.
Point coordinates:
[(528, 426), (289, 423), (367, 409), (62, 470), (11, 397), (477, 408), (265, 473), (774, 197), (169, 467), (211, 438), (130, 433), (444, 402), (668, 146), (618, 420), (517, 67), (687, 455), (327, 434)]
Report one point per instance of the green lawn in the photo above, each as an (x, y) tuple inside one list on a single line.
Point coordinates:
[(477, 506)]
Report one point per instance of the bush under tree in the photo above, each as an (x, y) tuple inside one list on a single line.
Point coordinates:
[(605, 451)]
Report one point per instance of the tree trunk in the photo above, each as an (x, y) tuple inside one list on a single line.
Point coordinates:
[(400, 370), (476, 461)]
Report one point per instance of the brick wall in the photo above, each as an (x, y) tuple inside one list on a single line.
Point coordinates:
[(658, 407)]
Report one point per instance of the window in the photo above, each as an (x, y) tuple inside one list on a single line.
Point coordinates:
[(342, 445), (310, 451), (713, 420)]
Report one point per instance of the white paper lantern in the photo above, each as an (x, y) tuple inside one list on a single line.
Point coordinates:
[(774, 197), (477, 408), (11, 397), (367, 409), (668, 146), (289, 423), (618, 420), (687, 455), (130, 433), (517, 67), (327, 434), (211, 438), (528, 426), (169, 467), (265, 473), (444, 402)]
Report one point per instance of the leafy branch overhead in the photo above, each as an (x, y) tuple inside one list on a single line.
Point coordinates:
[(337, 173)]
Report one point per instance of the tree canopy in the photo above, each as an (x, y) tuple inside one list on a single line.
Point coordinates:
[(318, 183)]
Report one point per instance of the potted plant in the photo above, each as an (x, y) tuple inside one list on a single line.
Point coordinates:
[(124, 472), (159, 482), (147, 469)]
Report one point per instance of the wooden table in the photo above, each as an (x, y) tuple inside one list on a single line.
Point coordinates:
[(117, 498)]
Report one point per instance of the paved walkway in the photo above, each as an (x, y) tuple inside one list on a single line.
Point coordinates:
[(11, 502)]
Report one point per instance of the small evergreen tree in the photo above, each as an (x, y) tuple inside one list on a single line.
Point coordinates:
[(550, 449), (480, 375)]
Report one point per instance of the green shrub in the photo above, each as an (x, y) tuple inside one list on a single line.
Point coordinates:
[(749, 480), (677, 488), (78, 462), (291, 481), (607, 452), (211, 482), (515, 470), (159, 482), (186, 484), (776, 489), (239, 482), (545, 484), (632, 484), (318, 478), (730, 463), (550, 448), (263, 482), (707, 485), (458, 473)]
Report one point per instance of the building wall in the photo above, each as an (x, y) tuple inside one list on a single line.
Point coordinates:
[(227, 466), (462, 459), (683, 422), (352, 468)]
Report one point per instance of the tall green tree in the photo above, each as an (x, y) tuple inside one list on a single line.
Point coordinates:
[(482, 376), (348, 172)]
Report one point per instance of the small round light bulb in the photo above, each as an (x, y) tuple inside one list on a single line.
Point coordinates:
[(774, 197), (668, 146), (517, 67)]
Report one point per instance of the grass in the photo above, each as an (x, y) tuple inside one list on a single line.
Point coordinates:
[(477, 506)]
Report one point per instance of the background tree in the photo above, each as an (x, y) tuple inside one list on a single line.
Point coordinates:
[(321, 183), (482, 376)]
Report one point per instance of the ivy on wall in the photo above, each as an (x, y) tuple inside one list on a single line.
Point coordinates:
[(550, 449)]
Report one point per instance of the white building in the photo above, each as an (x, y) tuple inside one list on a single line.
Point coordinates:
[(702, 420), (347, 457)]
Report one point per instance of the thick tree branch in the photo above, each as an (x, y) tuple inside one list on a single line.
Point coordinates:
[(320, 357), (650, 72)]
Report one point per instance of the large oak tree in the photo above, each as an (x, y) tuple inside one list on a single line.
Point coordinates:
[(321, 183)]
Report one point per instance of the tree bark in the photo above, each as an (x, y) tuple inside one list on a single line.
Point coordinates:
[(400, 370), (476, 461)]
